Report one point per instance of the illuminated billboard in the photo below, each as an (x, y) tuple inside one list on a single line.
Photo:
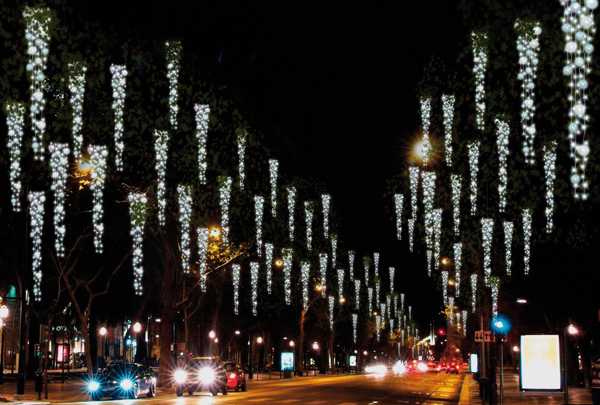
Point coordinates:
[(540, 362), (474, 363), (287, 361)]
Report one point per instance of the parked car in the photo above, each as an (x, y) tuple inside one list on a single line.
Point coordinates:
[(123, 380), (236, 377), (201, 374)]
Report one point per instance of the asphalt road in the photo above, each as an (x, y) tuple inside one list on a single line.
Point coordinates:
[(413, 389)]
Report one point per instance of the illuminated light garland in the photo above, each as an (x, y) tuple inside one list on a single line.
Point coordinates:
[(291, 200), (202, 256), (480, 60), (528, 46), (579, 28), (448, 101), (382, 313), (241, 148), (119, 88), (396, 305), (37, 37), (357, 294), (425, 123), (378, 326), (526, 215), (77, 72), (550, 176), (173, 49), (137, 217), (15, 122), (331, 304), (184, 198), (473, 292), (474, 172), (235, 277), (202, 115), (323, 258), (224, 201), (341, 274), (410, 313), (287, 275), (161, 149), (351, 258), (376, 257), (355, 328), (464, 322), (411, 234), (370, 300), (508, 237), (259, 209), (414, 173), (98, 160), (445, 286), (392, 273), (398, 207), (36, 212), (456, 183), (377, 290), (495, 286), (388, 306), (366, 265), (502, 134), (326, 206), (429, 254), (273, 177), (457, 249), (254, 266), (334, 243), (269, 266), (437, 235), (391, 327), (304, 278), (308, 219), (428, 201), (402, 299), (59, 169), (487, 235)]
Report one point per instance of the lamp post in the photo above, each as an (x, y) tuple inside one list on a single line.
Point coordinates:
[(570, 330), (103, 332), (3, 316)]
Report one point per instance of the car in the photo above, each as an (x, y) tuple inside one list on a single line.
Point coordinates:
[(236, 377), (201, 373), (453, 368), (123, 380)]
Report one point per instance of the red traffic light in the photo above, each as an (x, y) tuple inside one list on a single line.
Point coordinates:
[(441, 332)]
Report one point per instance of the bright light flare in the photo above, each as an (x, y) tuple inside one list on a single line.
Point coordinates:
[(206, 375), (399, 368), (378, 370), (126, 384), (93, 386), (180, 376), (422, 367)]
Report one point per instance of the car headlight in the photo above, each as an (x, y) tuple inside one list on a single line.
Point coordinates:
[(206, 375), (93, 386), (180, 376), (126, 384)]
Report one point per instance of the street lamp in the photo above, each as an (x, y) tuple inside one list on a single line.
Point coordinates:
[(315, 346), (237, 332), (212, 334), (137, 327), (102, 331), (3, 316), (292, 343), (259, 340), (214, 232), (279, 263), (570, 330)]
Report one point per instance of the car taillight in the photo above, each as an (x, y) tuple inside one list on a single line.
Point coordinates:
[(232, 376)]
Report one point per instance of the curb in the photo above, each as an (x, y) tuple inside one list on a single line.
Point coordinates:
[(466, 391)]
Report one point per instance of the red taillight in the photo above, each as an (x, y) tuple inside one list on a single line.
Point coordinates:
[(233, 376)]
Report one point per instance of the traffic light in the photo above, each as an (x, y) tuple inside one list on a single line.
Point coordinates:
[(441, 332)]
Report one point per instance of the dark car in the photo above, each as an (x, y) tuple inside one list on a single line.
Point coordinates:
[(201, 374), (236, 377), (123, 380)]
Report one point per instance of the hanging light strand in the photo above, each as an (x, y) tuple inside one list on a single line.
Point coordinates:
[(502, 134), (357, 283), (429, 256), (269, 266), (184, 198), (508, 237), (77, 75), (308, 218), (445, 287), (526, 216), (398, 207), (473, 148), (137, 214), (550, 176), (411, 234), (98, 160), (291, 200), (428, 202), (287, 275), (391, 273), (15, 122), (457, 249), (305, 277), (480, 61), (448, 101), (487, 235), (331, 304), (456, 181), (334, 243), (273, 178), (202, 115), (119, 89), (323, 258), (173, 50), (202, 256), (473, 292), (414, 173), (254, 266), (235, 277), (36, 213), (241, 149), (351, 258), (341, 274), (326, 206), (224, 203), (355, 328), (366, 265), (161, 149), (437, 236), (59, 169), (259, 209), (425, 146)]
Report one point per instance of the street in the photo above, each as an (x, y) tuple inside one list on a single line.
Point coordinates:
[(413, 389)]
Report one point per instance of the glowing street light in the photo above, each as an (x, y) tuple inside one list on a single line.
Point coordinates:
[(292, 343), (214, 232), (102, 331), (516, 349), (137, 327), (237, 332), (342, 300), (259, 340), (315, 346), (521, 301), (572, 330), (279, 263), (212, 334)]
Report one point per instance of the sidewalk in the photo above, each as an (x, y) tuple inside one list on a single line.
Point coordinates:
[(513, 396)]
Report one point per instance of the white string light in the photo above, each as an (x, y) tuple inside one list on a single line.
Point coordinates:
[(376, 257), (437, 235), (414, 173), (304, 278), (366, 265), (254, 266), (480, 60), (323, 258), (370, 300), (351, 258), (473, 292), (273, 176), (425, 146), (77, 72), (241, 148), (37, 36), (341, 274), (495, 286), (398, 207), (526, 215), (15, 122), (474, 172), (429, 254), (508, 237), (550, 176), (202, 115), (382, 313), (173, 49), (202, 256), (184, 198), (528, 46), (326, 206), (308, 219), (355, 328), (287, 275), (464, 317), (377, 290), (269, 265), (334, 243), (402, 299), (161, 150), (579, 28), (259, 209), (445, 286), (396, 313), (357, 294), (448, 101), (378, 326), (137, 216), (388, 306), (224, 201), (291, 200), (456, 181), (119, 89), (59, 169), (487, 235), (331, 303), (98, 160), (457, 249), (411, 234), (235, 277), (391, 327), (36, 212), (428, 201), (391, 273), (502, 134)]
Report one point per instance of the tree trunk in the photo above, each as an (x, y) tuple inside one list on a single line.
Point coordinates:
[(166, 337), (301, 342), (167, 312), (85, 331), (186, 330)]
